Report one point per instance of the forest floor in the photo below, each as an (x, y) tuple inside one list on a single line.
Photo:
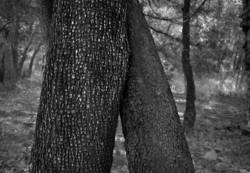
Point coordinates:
[(217, 144)]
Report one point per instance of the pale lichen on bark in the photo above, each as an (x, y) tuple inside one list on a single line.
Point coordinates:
[(85, 69)]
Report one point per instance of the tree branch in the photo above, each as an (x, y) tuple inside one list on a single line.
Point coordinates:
[(198, 10), (158, 16), (4, 26), (163, 18), (166, 34), (172, 20), (177, 39)]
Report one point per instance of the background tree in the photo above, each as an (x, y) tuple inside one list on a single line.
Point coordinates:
[(19, 18), (190, 112), (7, 71), (215, 56)]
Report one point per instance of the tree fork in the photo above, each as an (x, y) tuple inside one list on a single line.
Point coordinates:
[(154, 138)]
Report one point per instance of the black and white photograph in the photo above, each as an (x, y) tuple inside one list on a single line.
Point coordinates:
[(124, 86)]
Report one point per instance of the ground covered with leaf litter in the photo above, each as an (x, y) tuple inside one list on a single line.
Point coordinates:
[(218, 145)]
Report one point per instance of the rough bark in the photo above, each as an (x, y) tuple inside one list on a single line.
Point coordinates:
[(246, 29), (85, 70), (154, 138), (190, 112)]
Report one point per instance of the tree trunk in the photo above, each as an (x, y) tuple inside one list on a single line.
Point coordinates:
[(7, 70), (24, 55), (13, 38), (190, 112), (155, 142), (32, 59), (1, 62), (8, 53), (85, 70), (246, 29)]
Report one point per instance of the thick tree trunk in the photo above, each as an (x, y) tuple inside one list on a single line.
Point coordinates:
[(85, 70), (246, 29), (190, 112), (155, 141)]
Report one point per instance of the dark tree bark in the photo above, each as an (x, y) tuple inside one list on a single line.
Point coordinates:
[(1, 62), (7, 70), (246, 29), (8, 53), (24, 56), (190, 112), (11, 34), (13, 37), (85, 70), (155, 142)]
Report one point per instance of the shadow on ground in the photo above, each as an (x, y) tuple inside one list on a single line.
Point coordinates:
[(217, 144)]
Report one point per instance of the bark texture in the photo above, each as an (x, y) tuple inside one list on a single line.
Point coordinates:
[(155, 141), (190, 112), (246, 29), (85, 70)]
